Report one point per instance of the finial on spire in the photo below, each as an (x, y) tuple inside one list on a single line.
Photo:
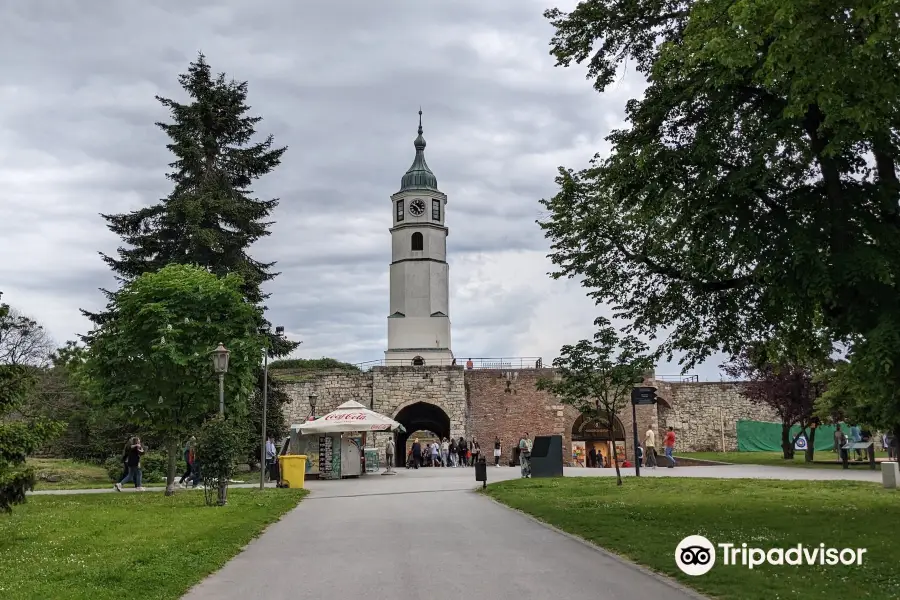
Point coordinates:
[(420, 120)]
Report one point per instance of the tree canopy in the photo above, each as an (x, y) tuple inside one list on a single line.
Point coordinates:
[(754, 190), (19, 436), (152, 357), (596, 377)]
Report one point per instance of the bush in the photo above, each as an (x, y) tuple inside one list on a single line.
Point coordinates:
[(218, 448), (153, 465)]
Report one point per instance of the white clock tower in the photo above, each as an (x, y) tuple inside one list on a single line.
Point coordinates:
[(419, 314)]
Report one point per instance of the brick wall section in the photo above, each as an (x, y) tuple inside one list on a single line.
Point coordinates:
[(702, 412)]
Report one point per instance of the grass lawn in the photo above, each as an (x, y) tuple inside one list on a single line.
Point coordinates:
[(646, 518), (127, 545), (775, 459), (70, 474), (73, 475)]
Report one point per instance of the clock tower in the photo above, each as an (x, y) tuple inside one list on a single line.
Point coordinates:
[(419, 312)]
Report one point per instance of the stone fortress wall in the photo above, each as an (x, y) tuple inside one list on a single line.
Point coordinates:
[(484, 403)]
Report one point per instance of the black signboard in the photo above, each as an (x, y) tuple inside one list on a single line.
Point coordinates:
[(643, 395), (325, 452)]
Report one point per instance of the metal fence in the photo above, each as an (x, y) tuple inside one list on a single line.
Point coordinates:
[(679, 378), (502, 363)]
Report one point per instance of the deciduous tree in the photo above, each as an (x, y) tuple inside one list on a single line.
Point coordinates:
[(19, 436), (596, 377), (755, 185), (786, 385), (24, 341), (152, 357)]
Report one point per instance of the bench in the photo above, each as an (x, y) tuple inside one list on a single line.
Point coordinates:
[(869, 447)]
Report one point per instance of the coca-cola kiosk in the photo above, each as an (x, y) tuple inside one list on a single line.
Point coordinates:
[(334, 444)]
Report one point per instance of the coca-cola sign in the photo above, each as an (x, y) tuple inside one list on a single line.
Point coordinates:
[(348, 416)]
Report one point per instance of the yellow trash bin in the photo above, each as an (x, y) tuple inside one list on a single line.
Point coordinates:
[(293, 470)]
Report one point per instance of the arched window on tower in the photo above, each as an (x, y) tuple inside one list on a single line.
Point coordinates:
[(418, 242)]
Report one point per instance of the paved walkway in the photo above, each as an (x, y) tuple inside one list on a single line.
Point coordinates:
[(421, 533)]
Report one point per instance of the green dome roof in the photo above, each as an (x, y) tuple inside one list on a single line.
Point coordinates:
[(419, 176)]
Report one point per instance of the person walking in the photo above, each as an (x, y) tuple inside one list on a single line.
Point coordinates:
[(416, 453), (525, 454), (271, 457), (838, 439), (188, 461), (462, 448), (475, 449), (498, 448), (435, 454), (135, 451), (650, 447), (669, 443), (856, 437), (454, 453), (445, 453)]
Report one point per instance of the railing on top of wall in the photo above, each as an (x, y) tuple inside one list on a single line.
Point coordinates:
[(504, 363), (679, 378)]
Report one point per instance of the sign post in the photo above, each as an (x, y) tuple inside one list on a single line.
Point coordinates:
[(639, 395)]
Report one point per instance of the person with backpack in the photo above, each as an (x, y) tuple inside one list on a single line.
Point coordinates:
[(188, 460), (454, 453), (135, 451)]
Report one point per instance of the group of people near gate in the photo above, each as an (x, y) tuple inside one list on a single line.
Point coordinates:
[(443, 453)]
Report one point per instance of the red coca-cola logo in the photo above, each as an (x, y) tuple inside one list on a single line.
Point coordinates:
[(347, 417)]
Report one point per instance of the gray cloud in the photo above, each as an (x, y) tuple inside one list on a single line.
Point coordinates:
[(339, 84)]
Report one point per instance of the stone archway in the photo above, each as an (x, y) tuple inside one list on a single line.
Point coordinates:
[(596, 434), (419, 416)]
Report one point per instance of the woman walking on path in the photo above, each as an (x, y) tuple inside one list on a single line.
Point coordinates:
[(134, 465), (497, 451), (476, 451)]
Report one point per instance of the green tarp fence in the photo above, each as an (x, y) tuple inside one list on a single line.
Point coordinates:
[(759, 436)]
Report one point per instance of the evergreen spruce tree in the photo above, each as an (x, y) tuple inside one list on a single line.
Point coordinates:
[(211, 217)]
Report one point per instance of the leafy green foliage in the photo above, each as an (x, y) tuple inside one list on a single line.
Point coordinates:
[(18, 437), (151, 360), (596, 377), (218, 447), (311, 364), (754, 193), (789, 387)]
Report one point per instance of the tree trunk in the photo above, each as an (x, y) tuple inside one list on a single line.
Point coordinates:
[(787, 448), (172, 450), (610, 424), (811, 445)]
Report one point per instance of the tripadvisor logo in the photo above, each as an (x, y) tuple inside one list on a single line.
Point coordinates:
[(695, 555)]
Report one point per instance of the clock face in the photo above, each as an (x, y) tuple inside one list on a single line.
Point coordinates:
[(417, 207)]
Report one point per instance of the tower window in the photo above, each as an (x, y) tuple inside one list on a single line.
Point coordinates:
[(399, 210), (435, 210), (418, 242)]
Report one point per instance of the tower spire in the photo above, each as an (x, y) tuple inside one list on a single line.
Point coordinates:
[(420, 120), (419, 176)]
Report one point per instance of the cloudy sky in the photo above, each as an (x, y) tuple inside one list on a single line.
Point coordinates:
[(339, 83)]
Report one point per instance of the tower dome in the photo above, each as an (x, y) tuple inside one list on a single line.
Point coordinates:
[(419, 176)]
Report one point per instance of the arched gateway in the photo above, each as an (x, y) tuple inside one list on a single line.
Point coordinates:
[(595, 433), (419, 416)]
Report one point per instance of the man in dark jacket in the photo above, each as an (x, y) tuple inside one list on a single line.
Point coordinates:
[(417, 453)]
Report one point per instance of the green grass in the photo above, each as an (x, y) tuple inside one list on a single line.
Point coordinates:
[(775, 459), (73, 475), (646, 518), (70, 474), (127, 545)]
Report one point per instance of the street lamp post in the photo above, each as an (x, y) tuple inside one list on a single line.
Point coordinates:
[(312, 404), (220, 364), (279, 331)]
